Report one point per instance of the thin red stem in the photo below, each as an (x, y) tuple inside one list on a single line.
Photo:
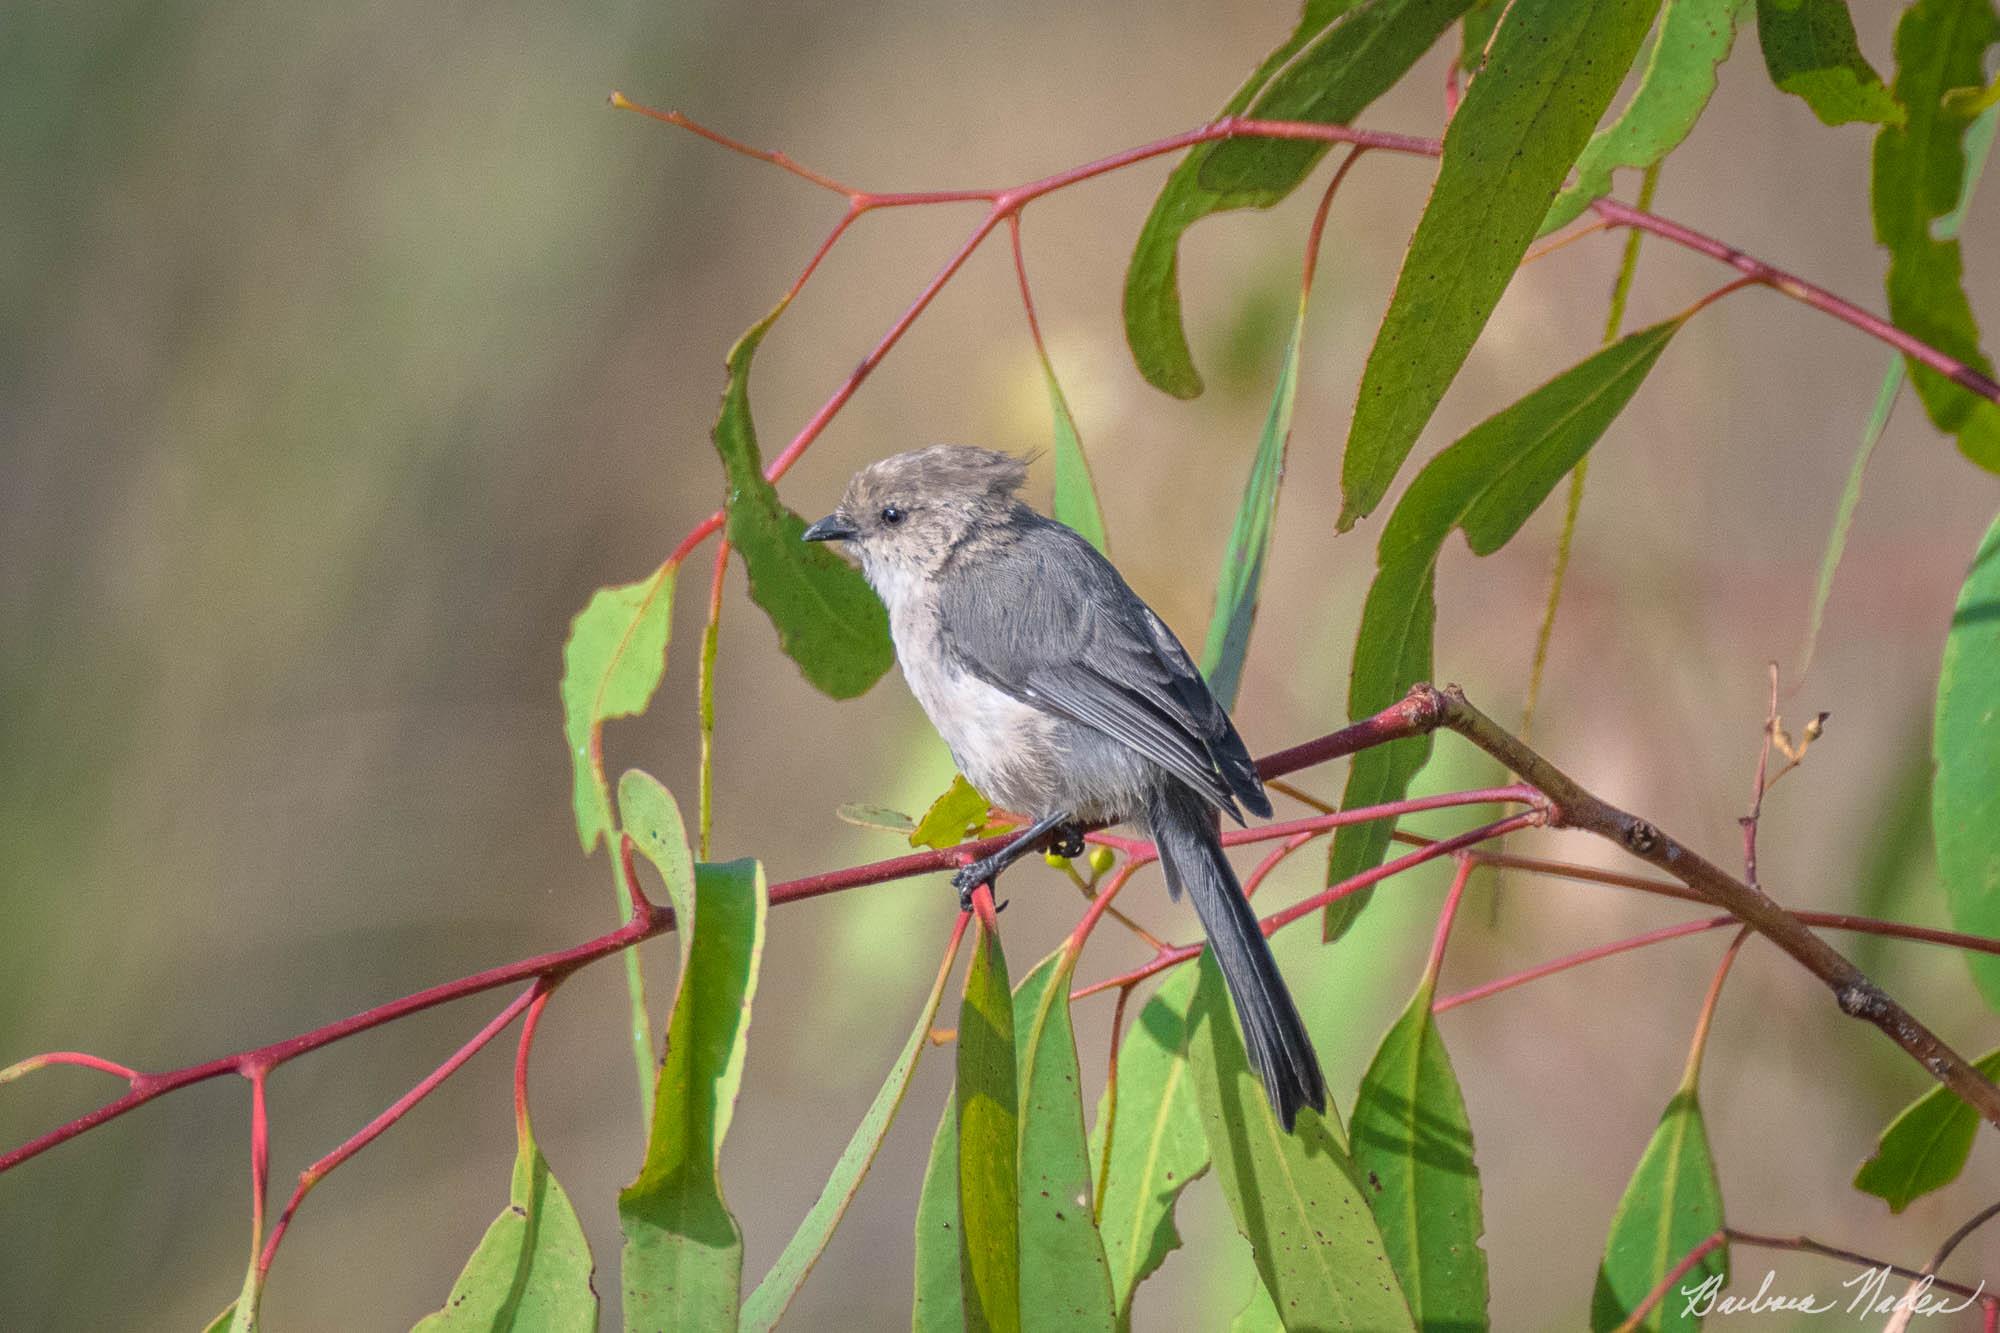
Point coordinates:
[(538, 1000), (81, 1058), (1446, 915)]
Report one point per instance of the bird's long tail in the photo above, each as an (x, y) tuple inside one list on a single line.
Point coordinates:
[(1280, 1051)]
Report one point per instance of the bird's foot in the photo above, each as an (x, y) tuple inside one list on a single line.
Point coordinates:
[(1067, 840), (970, 877)]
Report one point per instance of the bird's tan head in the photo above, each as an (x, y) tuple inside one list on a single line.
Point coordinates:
[(904, 514)]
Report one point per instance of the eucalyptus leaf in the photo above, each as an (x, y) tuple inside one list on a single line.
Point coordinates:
[(612, 663), (1925, 1146), (1810, 51), (1672, 1204), (938, 1306), (1965, 742), (989, 1127), (1075, 494)]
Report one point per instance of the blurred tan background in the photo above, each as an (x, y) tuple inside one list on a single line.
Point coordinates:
[(344, 350)]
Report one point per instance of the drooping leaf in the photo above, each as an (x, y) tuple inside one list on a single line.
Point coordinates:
[(1342, 56), (1549, 75), (954, 817), (1965, 742), (1694, 37), (1242, 577), (1296, 1197), (989, 1127), (532, 1269), (1075, 494), (767, 1304), (1810, 51), (1672, 1203), (1486, 484), (939, 1306), (878, 817), (653, 820), (1413, 1143), (1157, 1145), (683, 1256), (1065, 1281), (612, 663), (1919, 176), (828, 619), (1925, 1146)]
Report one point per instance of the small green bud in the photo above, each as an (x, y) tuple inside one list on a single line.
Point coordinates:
[(1058, 862), (1101, 860)]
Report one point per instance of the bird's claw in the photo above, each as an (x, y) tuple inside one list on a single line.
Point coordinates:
[(1067, 840), (970, 877)]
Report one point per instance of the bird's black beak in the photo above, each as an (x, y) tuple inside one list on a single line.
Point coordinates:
[(832, 528)]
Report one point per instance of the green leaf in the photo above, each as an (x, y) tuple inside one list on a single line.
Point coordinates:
[(1549, 75), (1242, 576), (1157, 1145), (1075, 494), (532, 1270), (1673, 1203), (1679, 78), (1296, 1197), (653, 819), (1965, 742), (878, 817), (959, 814), (222, 1321), (1486, 484), (1850, 497), (1810, 51), (989, 1127), (1065, 1282), (828, 619), (1342, 56), (612, 663), (1413, 1141), (938, 1306), (1925, 1146), (1476, 31), (1920, 176), (767, 1304), (683, 1259)]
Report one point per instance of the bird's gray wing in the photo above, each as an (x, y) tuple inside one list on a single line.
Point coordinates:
[(1045, 618)]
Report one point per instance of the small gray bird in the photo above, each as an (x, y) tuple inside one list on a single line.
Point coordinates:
[(1064, 697)]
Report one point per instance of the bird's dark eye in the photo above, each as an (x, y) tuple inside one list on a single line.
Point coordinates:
[(893, 514)]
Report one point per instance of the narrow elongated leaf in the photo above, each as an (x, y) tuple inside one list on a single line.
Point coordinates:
[(1810, 51), (1671, 1205), (1925, 1146), (953, 817), (683, 1256), (1342, 56), (1242, 578), (1157, 1144), (767, 1304), (1965, 742), (1413, 1143), (938, 1306), (1296, 1197), (1486, 484), (532, 1269), (1065, 1281), (612, 663), (653, 819), (1549, 75), (1694, 39), (1476, 31), (828, 619), (1918, 177), (989, 1128), (1075, 493)]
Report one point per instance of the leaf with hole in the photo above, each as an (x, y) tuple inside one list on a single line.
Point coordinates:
[(1341, 57), (1919, 177), (683, 1255), (1811, 52), (956, 816), (1692, 40), (1549, 75), (828, 619), (1486, 485), (612, 663)]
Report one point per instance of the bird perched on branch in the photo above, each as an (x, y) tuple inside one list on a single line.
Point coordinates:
[(1063, 696)]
